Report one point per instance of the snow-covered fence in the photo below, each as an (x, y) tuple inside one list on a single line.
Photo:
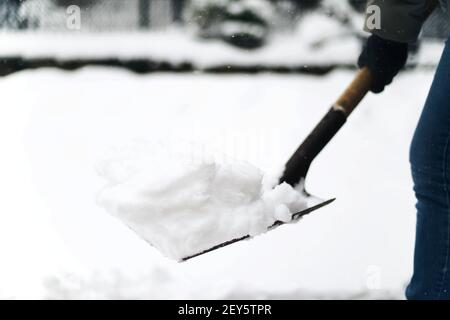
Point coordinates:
[(94, 15)]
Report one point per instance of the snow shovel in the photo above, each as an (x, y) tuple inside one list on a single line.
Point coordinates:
[(298, 165)]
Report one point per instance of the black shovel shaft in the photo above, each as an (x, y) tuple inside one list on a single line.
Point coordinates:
[(298, 165)]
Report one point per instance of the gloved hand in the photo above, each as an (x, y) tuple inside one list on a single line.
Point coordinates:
[(384, 58)]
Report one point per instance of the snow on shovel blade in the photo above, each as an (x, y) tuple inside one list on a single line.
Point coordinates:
[(295, 218)]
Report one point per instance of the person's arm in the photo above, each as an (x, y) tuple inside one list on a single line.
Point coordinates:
[(401, 20), (386, 50)]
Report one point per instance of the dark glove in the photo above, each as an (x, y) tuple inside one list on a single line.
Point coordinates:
[(384, 58)]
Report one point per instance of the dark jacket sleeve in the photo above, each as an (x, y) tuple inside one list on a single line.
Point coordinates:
[(400, 20)]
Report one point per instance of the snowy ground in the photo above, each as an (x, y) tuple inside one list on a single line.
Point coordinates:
[(55, 242)]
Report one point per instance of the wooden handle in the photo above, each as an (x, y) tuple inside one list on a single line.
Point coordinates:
[(298, 165), (355, 92)]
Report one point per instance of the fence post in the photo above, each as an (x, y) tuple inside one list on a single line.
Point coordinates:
[(177, 9), (144, 14)]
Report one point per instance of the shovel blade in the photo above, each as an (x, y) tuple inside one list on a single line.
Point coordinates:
[(313, 205)]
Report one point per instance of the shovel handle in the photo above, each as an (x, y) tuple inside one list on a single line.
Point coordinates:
[(298, 165), (355, 92)]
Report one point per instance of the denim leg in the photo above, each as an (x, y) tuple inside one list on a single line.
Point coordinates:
[(430, 166)]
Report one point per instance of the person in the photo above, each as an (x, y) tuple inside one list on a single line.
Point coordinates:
[(385, 54)]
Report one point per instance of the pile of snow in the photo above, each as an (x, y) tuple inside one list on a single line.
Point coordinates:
[(183, 208), (286, 49)]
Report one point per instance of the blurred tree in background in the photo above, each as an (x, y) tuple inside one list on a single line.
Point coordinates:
[(243, 23)]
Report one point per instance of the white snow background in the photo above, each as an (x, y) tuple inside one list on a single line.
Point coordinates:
[(55, 242)]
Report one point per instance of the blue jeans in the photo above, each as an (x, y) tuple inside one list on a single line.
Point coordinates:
[(430, 166)]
